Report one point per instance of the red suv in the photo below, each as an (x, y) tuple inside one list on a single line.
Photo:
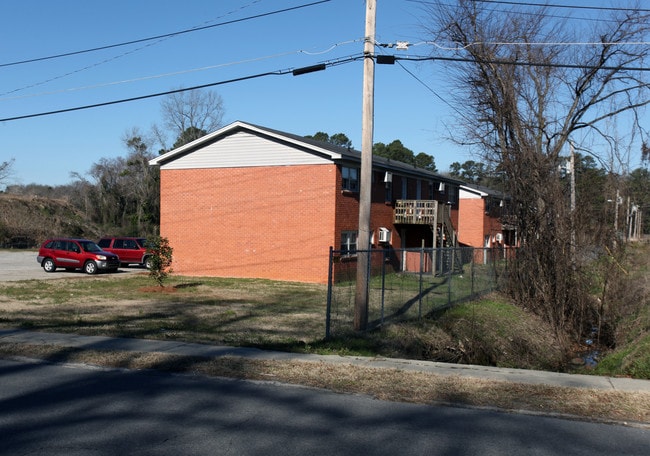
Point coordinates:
[(131, 250), (74, 254)]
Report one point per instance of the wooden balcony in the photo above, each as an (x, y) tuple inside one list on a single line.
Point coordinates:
[(427, 212), (415, 212)]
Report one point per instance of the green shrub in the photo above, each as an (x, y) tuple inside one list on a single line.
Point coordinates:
[(161, 258)]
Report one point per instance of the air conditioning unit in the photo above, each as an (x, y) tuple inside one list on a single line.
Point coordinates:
[(384, 235), (498, 237)]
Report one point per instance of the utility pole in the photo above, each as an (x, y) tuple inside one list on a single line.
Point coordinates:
[(365, 187), (573, 203), (617, 203)]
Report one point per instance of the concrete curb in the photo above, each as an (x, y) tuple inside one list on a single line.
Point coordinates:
[(20, 336)]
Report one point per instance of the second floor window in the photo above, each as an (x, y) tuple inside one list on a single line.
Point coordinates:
[(389, 192), (350, 178)]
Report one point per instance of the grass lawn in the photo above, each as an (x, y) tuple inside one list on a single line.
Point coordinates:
[(291, 316)]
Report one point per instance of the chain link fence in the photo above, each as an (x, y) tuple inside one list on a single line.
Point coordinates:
[(409, 284)]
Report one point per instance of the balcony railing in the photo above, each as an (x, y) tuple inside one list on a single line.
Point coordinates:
[(415, 212), (427, 212)]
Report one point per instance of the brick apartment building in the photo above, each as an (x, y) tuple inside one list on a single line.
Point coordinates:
[(484, 220), (251, 202)]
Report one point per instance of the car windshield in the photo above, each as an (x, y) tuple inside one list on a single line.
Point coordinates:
[(90, 246), (142, 242)]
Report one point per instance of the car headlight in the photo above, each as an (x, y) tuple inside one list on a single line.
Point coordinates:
[(101, 257)]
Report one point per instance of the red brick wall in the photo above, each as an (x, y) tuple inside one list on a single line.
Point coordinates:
[(347, 216), (471, 229), (347, 219), (263, 222)]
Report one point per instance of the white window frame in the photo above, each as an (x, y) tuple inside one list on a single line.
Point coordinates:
[(349, 241)]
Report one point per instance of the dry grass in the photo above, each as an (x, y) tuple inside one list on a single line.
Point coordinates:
[(237, 312), (263, 313), (384, 384)]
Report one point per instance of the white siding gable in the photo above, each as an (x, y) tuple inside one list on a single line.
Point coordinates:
[(244, 149), (466, 193)]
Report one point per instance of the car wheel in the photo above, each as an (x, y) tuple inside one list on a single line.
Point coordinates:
[(90, 267), (147, 263), (48, 265)]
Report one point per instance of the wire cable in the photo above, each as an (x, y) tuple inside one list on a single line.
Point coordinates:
[(534, 64), (176, 73), (166, 35), (552, 5), (144, 97), (170, 92), (158, 39), (529, 13), (545, 5), (520, 43)]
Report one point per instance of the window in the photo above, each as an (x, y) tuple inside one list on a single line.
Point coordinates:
[(348, 242), (389, 192), (350, 178), (452, 195), (73, 247)]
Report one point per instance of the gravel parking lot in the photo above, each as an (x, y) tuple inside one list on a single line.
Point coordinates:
[(22, 265)]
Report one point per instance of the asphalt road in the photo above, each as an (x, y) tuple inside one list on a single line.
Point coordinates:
[(22, 265), (77, 410)]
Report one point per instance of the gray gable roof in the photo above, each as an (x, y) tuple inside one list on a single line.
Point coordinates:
[(331, 152), (484, 191)]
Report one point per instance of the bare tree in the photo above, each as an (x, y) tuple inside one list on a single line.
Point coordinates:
[(189, 115), (5, 170), (525, 89), (142, 182)]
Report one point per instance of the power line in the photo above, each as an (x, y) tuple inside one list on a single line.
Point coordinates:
[(166, 35), (170, 92), (522, 43), (158, 40), (436, 94), (545, 5), (552, 5), (519, 63), (142, 97), (522, 12), (175, 73), (320, 66)]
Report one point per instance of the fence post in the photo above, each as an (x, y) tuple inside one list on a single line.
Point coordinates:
[(383, 283), (473, 269), (328, 312), (449, 275), (421, 272)]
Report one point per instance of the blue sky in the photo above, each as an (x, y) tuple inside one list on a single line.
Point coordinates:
[(47, 149)]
